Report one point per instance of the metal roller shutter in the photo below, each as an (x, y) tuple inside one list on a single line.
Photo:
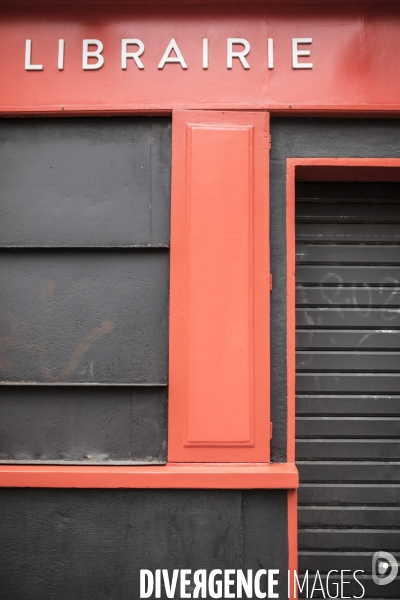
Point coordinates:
[(348, 376)]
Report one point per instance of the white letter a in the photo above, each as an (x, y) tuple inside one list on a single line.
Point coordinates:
[(172, 59)]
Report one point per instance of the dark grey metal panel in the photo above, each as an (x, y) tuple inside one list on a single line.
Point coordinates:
[(343, 233), (340, 471), (344, 275), (85, 182), (388, 318), (379, 427), (84, 316), (347, 212), (346, 253), (93, 425), (349, 493), (349, 539), (347, 449), (346, 516), (355, 191), (348, 383), (91, 544), (346, 338), (347, 405), (357, 297), (348, 361)]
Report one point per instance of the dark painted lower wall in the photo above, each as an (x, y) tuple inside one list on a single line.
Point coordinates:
[(91, 544)]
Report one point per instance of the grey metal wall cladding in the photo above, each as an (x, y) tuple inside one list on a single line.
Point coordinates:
[(85, 182), (84, 316), (91, 544), (84, 270), (348, 376), (109, 425)]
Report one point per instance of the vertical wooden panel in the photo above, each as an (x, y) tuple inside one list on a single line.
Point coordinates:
[(219, 322), (219, 248)]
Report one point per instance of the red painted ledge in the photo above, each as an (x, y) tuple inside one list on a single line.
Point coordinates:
[(201, 476)]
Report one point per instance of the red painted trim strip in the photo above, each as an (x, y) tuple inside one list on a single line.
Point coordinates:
[(291, 313), (343, 162), (274, 476)]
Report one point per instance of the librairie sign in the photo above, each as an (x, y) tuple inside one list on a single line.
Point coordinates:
[(309, 57), (133, 48)]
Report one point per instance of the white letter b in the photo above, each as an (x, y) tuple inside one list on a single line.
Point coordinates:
[(86, 54)]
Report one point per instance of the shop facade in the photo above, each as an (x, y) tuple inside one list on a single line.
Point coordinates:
[(200, 257)]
